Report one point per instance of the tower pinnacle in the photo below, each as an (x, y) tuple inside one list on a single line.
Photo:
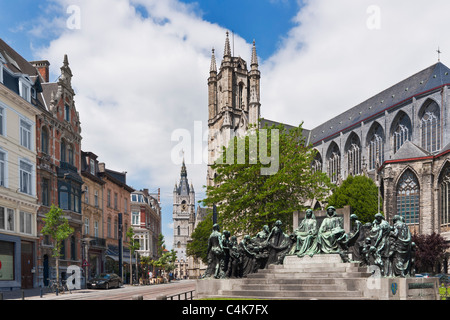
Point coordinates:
[(254, 62), (227, 51), (213, 67)]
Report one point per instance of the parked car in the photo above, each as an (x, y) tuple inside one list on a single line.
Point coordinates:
[(105, 281)]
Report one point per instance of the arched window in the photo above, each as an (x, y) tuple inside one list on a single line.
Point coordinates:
[(430, 126), (376, 149), (334, 163), (178, 231), (241, 96), (353, 152), (408, 197), (444, 186), (316, 164), (401, 130)]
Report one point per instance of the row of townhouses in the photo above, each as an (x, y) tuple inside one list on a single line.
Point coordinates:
[(42, 163)]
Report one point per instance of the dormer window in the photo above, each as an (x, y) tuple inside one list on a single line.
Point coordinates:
[(2, 61), (92, 166), (24, 90)]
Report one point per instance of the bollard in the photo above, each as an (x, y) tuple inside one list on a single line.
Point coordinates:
[(137, 297), (23, 295), (1, 296), (40, 292)]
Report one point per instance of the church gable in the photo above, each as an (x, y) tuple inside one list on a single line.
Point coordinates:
[(409, 151)]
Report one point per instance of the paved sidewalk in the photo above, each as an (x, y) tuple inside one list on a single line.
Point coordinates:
[(19, 293)]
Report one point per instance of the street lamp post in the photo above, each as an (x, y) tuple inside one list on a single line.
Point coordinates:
[(120, 246)]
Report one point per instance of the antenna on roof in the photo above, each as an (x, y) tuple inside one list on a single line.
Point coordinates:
[(439, 54), (232, 39)]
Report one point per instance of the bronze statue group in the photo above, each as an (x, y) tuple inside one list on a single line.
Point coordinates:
[(390, 248)]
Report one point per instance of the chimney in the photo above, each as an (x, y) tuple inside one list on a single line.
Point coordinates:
[(101, 167), (159, 195), (43, 68)]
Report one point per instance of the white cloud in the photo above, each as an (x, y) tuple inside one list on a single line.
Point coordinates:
[(138, 76), (332, 60)]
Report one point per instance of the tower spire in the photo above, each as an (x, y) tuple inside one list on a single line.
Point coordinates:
[(183, 169), (227, 51)]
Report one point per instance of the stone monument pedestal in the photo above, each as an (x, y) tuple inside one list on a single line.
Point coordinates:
[(321, 277)]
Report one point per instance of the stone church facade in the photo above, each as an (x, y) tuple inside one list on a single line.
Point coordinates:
[(400, 139)]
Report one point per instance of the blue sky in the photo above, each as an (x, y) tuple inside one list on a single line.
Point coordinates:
[(265, 21), (141, 66)]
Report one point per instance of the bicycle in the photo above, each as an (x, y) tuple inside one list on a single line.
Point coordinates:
[(52, 286), (63, 288)]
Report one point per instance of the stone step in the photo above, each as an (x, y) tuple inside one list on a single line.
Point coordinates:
[(313, 269), (298, 281), (292, 287), (300, 275), (316, 259), (344, 294), (293, 265)]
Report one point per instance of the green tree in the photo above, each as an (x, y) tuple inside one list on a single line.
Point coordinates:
[(161, 245), (145, 263), (359, 192), (264, 177), (198, 246), (133, 245), (57, 227)]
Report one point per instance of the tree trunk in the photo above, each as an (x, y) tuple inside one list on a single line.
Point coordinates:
[(131, 269), (57, 272)]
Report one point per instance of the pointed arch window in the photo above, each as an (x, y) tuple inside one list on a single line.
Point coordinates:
[(241, 95), (401, 131), (353, 153), (334, 164), (444, 187), (431, 128), (408, 197), (376, 148), (354, 160), (317, 163)]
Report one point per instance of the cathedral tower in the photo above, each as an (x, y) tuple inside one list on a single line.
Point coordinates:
[(233, 101)]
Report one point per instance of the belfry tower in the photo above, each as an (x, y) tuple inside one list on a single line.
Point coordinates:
[(233, 101), (183, 209)]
